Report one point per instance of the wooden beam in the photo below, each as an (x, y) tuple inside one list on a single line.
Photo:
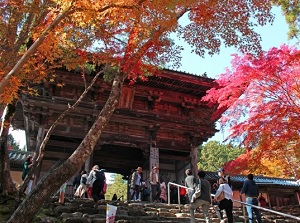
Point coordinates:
[(174, 157)]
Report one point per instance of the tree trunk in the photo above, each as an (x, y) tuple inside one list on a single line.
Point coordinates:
[(7, 185), (52, 181)]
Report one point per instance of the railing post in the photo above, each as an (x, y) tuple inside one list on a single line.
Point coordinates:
[(244, 213), (169, 193), (178, 193)]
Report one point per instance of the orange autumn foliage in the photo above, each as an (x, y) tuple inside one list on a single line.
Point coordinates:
[(39, 36)]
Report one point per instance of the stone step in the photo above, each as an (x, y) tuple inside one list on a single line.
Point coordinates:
[(86, 211)]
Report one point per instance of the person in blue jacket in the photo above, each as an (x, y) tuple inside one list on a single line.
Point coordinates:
[(250, 189)]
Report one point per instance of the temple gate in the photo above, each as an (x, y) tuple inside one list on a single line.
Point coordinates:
[(164, 113)]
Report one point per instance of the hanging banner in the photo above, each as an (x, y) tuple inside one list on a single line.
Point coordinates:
[(110, 213)]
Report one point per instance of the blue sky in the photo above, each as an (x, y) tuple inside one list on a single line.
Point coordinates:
[(272, 36)]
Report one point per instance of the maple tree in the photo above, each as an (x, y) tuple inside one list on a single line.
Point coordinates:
[(263, 99), (130, 36)]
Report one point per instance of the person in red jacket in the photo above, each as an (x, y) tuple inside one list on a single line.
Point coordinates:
[(262, 201), (182, 193)]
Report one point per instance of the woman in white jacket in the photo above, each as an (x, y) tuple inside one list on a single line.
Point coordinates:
[(225, 204)]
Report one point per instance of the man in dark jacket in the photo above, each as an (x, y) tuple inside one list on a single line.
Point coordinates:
[(250, 189), (135, 184)]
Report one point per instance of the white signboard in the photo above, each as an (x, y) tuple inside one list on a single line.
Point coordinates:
[(154, 157)]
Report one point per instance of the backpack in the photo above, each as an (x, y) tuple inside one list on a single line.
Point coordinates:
[(100, 175), (197, 191)]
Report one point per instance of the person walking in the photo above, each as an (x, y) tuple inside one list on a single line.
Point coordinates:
[(62, 191), (76, 180), (135, 183), (204, 200), (155, 184), (226, 203), (96, 178), (250, 189), (26, 168), (262, 201), (81, 189), (190, 183), (221, 174), (182, 193), (163, 194)]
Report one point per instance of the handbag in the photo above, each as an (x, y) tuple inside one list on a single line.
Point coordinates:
[(221, 196), (197, 192)]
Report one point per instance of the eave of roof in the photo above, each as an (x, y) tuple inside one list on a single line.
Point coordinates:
[(17, 158), (258, 179)]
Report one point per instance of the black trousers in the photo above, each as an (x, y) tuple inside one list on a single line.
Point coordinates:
[(156, 191), (227, 205), (96, 190)]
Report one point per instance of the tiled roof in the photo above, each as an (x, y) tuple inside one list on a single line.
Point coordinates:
[(213, 176), (17, 158)]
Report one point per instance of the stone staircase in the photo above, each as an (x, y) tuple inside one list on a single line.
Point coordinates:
[(85, 211)]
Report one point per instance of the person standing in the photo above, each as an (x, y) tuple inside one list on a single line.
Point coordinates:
[(173, 194), (221, 174), (190, 183), (225, 204), (81, 189), (62, 191), (76, 181), (155, 184), (250, 189), (96, 178), (262, 201), (135, 183), (204, 200), (182, 193), (89, 184), (115, 197), (26, 168), (163, 194)]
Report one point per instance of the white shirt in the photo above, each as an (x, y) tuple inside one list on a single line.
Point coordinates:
[(91, 178), (227, 191)]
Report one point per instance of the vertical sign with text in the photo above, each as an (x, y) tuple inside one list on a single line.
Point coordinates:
[(154, 157)]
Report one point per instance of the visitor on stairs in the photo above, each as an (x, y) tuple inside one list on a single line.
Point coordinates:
[(250, 189), (204, 200), (80, 191), (135, 184), (155, 184), (226, 203)]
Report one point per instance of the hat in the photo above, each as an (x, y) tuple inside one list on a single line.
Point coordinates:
[(155, 167), (221, 170), (139, 168)]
